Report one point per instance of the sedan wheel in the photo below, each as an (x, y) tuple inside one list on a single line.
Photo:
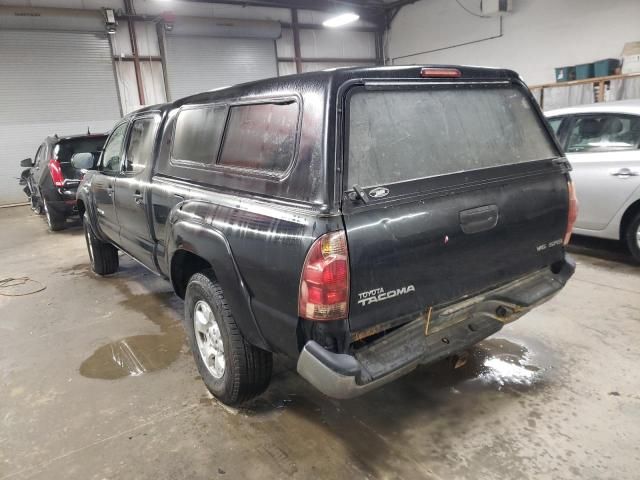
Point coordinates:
[(632, 235)]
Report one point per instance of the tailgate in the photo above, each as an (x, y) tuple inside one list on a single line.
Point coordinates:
[(461, 190)]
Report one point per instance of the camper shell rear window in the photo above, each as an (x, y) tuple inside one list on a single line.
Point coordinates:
[(401, 134)]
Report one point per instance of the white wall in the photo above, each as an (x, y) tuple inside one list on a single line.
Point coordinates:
[(539, 35)]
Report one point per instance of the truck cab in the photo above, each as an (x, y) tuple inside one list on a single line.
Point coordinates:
[(359, 220)]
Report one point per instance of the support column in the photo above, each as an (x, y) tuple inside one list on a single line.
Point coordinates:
[(295, 27), (134, 49)]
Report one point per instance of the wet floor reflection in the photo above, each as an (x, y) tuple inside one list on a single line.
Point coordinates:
[(501, 362), (133, 356), (137, 354), (494, 363)]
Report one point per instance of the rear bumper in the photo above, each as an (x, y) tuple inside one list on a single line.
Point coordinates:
[(459, 326)]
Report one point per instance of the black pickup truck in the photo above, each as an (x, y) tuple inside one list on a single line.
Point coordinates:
[(359, 220)]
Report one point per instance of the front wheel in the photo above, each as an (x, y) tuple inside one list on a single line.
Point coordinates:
[(103, 256), (233, 370), (633, 237), (36, 206)]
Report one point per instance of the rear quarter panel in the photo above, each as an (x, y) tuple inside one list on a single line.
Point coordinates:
[(257, 252)]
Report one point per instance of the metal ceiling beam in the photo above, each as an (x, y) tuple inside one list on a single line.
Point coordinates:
[(320, 5), (373, 12)]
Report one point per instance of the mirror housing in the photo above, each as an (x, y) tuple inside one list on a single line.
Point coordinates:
[(27, 162), (83, 161)]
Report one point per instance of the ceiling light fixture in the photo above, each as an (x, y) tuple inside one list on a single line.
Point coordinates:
[(340, 20)]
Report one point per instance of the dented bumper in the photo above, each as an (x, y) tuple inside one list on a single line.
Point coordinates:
[(435, 335)]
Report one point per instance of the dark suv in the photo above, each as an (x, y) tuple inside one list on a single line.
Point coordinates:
[(361, 220), (51, 181)]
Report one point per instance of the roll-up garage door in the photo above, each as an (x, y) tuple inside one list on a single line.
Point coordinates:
[(199, 63), (50, 82)]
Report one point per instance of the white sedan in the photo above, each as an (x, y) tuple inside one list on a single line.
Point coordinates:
[(602, 142)]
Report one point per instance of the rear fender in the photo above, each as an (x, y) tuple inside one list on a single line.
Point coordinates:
[(211, 245)]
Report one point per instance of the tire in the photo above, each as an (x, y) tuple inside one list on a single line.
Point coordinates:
[(246, 369), (103, 256), (632, 237), (36, 206), (55, 222)]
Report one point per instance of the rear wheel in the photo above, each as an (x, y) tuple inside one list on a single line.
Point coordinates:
[(233, 370), (632, 237), (55, 221), (103, 256)]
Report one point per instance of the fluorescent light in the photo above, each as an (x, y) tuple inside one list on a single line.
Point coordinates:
[(340, 20)]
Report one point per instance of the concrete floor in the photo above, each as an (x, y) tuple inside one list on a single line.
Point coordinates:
[(96, 382)]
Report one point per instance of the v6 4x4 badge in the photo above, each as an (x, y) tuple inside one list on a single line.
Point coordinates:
[(379, 295)]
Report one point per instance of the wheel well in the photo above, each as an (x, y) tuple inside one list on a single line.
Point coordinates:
[(183, 265), (628, 216)]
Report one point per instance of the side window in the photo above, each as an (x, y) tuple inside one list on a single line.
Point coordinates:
[(261, 136), (603, 133), (140, 146), (112, 153), (197, 134)]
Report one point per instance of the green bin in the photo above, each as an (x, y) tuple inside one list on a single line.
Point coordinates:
[(605, 67), (565, 74), (584, 70)]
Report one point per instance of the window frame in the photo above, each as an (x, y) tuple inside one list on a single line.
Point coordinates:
[(565, 122), (126, 124), (570, 121), (145, 116), (215, 166), (42, 152)]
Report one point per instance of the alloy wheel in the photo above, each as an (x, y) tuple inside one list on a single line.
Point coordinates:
[(209, 339)]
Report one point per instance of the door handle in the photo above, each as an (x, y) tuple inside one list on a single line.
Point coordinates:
[(137, 197), (479, 219), (625, 173), (110, 191)]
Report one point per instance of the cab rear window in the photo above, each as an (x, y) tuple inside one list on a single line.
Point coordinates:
[(401, 135)]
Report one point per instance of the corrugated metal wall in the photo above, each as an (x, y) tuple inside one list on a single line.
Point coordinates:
[(196, 64), (57, 77), (50, 82), (316, 46)]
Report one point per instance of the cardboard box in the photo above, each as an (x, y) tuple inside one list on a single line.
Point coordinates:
[(631, 57)]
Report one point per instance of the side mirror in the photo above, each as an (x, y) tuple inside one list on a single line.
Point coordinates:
[(83, 161), (27, 162)]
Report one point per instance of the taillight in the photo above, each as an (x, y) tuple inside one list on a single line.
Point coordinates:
[(56, 172), (324, 283), (573, 211), (430, 72)]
